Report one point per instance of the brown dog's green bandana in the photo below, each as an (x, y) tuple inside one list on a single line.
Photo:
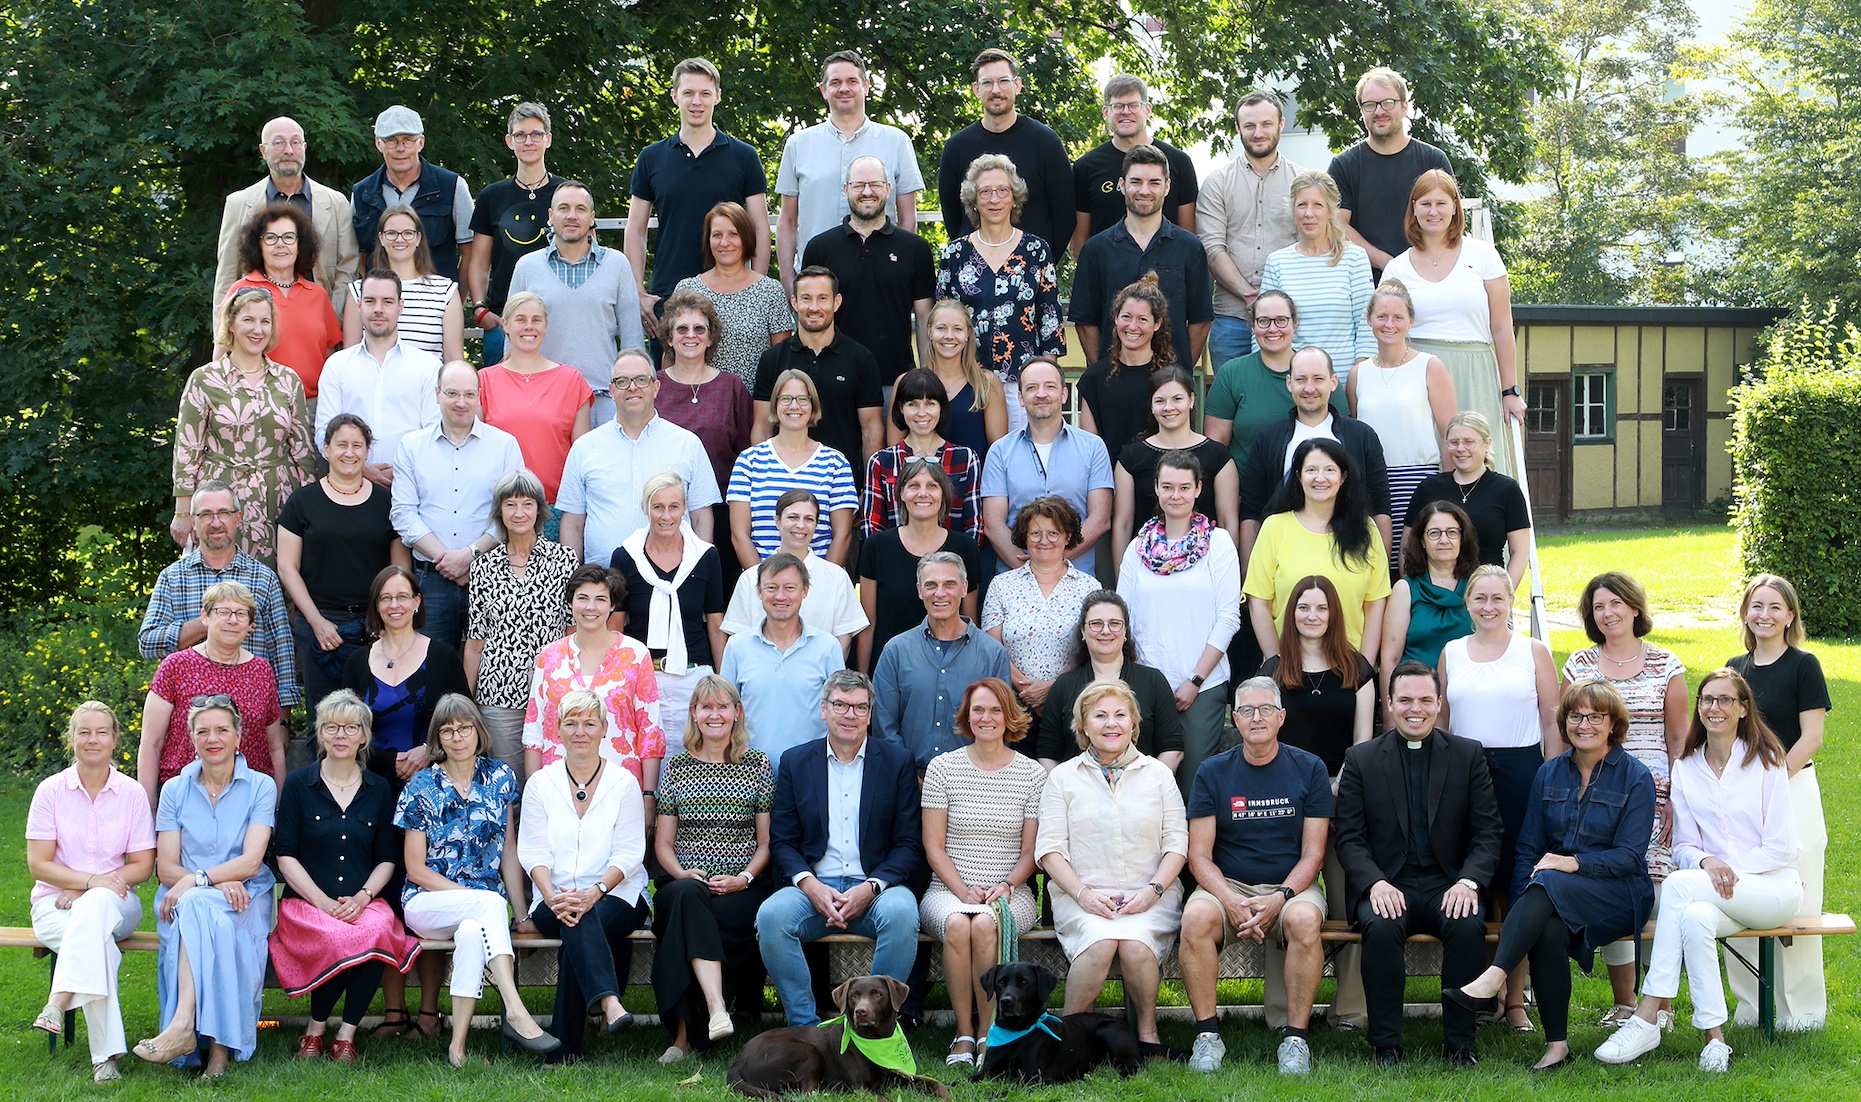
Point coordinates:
[(891, 1053)]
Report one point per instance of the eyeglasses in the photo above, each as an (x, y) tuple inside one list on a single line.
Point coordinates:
[(1036, 535), (288, 237), (351, 729), (862, 187), (214, 700), (453, 395), (998, 192), (400, 141), (1264, 711), (1272, 323), (794, 400), (632, 382), (998, 82), (697, 330), (529, 135), (452, 731), (1442, 534), (285, 143), (397, 599), (1370, 105), (1132, 108), (848, 708), (399, 235), (1717, 703), (230, 612), (215, 514), (1100, 627), (1587, 719)]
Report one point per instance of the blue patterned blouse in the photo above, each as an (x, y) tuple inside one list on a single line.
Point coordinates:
[(464, 835)]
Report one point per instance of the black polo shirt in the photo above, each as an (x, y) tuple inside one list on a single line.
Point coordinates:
[(1111, 261), (683, 186), (847, 377), (1095, 184), (881, 277)]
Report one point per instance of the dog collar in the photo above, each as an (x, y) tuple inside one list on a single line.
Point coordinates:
[(892, 1053), (999, 1036)]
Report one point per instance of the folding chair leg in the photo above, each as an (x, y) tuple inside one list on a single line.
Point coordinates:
[(1767, 987)]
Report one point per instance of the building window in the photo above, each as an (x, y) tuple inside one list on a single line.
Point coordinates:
[(1541, 409), (1592, 417), (1677, 409)]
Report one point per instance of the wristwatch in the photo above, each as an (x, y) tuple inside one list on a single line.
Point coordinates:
[(748, 877), (1156, 887), (877, 885), (1196, 679), (1285, 891), (1470, 885), (601, 886), (201, 880), (1511, 391)]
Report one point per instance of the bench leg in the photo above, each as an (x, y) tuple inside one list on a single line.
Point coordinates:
[(1767, 987)]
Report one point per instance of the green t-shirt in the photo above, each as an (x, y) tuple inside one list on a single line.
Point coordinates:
[(1252, 395)]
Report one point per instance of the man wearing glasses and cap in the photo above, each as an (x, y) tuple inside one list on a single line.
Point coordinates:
[(440, 197)]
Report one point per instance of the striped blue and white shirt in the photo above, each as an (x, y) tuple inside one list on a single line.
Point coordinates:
[(760, 477), (1331, 301)]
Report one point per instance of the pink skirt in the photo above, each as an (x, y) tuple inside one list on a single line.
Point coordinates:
[(308, 947)]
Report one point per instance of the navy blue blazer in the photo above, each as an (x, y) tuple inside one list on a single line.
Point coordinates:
[(891, 839)]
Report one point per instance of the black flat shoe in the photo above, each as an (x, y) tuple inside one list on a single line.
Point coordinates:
[(1387, 1057), (394, 1023), (542, 1042), (1461, 1057), (1479, 1006), (1561, 1062)]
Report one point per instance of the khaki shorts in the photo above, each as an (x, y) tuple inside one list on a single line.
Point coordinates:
[(1313, 896)]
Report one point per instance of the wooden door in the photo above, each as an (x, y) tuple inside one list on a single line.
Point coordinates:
[(1683, 445), (1547, 446)]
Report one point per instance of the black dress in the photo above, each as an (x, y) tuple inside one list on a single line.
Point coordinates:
[(885, 564), (1321, 718)]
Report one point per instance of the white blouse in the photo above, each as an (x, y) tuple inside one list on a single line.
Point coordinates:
[(1743, 817), (578, 850), (1456, 308), (1113, 839), (1175, 616)]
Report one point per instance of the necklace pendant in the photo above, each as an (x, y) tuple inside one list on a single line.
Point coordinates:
[(390, 663), (581, 794)]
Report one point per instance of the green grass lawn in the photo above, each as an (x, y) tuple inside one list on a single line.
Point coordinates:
[(1692, 578)]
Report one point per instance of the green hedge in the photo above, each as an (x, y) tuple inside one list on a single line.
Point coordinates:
[(82, 648), (1796, 455)]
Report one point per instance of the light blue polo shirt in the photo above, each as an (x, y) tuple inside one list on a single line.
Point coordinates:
[(781, 689), (1077, 464)]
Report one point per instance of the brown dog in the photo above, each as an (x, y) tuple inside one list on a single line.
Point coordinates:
[(799, 1059)]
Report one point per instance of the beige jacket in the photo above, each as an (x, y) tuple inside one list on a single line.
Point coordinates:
[(337, 264)]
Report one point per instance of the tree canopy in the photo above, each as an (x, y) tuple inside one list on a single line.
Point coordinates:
[(126, 124)]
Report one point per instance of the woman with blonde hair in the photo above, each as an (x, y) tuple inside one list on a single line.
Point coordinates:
[(1327, 275), (547, 406), (1006, 276), (675, 596), (712, 842), (1113, 840), (1494, 502), (977, 399), (90, 841), (791, 459), (1792, 696)]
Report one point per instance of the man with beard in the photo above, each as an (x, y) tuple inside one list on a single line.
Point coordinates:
[(590, 291), (887, 273), (1143, 242), (1037, 152), (1245, 213), (282, 146), (385, 381), (844, 372), (1374, 175), (1095, 175)]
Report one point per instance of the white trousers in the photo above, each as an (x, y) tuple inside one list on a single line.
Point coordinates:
[(477, 921), (1694, 916), (1802, 995), (84, 938)]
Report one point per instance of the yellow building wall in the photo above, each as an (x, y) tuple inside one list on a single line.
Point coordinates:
[(1592, 476)]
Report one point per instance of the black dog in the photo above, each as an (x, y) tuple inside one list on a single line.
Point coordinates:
[(1049, 1048), (803, 1059)]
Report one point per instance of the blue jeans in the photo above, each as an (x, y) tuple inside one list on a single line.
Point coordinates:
[(322, 669), (788, 918), (444, 601), (494, 345), (1227, 338)]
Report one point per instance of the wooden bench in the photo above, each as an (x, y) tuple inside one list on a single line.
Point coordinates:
[(851, 955)]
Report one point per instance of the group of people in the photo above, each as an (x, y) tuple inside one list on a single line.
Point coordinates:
[(485, 585)]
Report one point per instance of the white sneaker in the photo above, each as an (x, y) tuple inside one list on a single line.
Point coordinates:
[(1295, 1056), (1716, 1056), (1633, 1038), (1208, 1052)]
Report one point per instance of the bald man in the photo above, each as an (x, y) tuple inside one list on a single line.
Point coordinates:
[(281, 145)]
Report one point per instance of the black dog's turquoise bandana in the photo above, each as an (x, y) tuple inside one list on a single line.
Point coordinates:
[(891, 1053), (999, 1036)]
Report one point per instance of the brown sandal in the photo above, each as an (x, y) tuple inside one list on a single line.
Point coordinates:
[(439, 1024)]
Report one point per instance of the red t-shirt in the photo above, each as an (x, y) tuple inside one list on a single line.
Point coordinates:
[(253, 685), (306, 324), (539, 410)]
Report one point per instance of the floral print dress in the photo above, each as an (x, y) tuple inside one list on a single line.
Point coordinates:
[(1016, 310), (627, 687), (253, 434)]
